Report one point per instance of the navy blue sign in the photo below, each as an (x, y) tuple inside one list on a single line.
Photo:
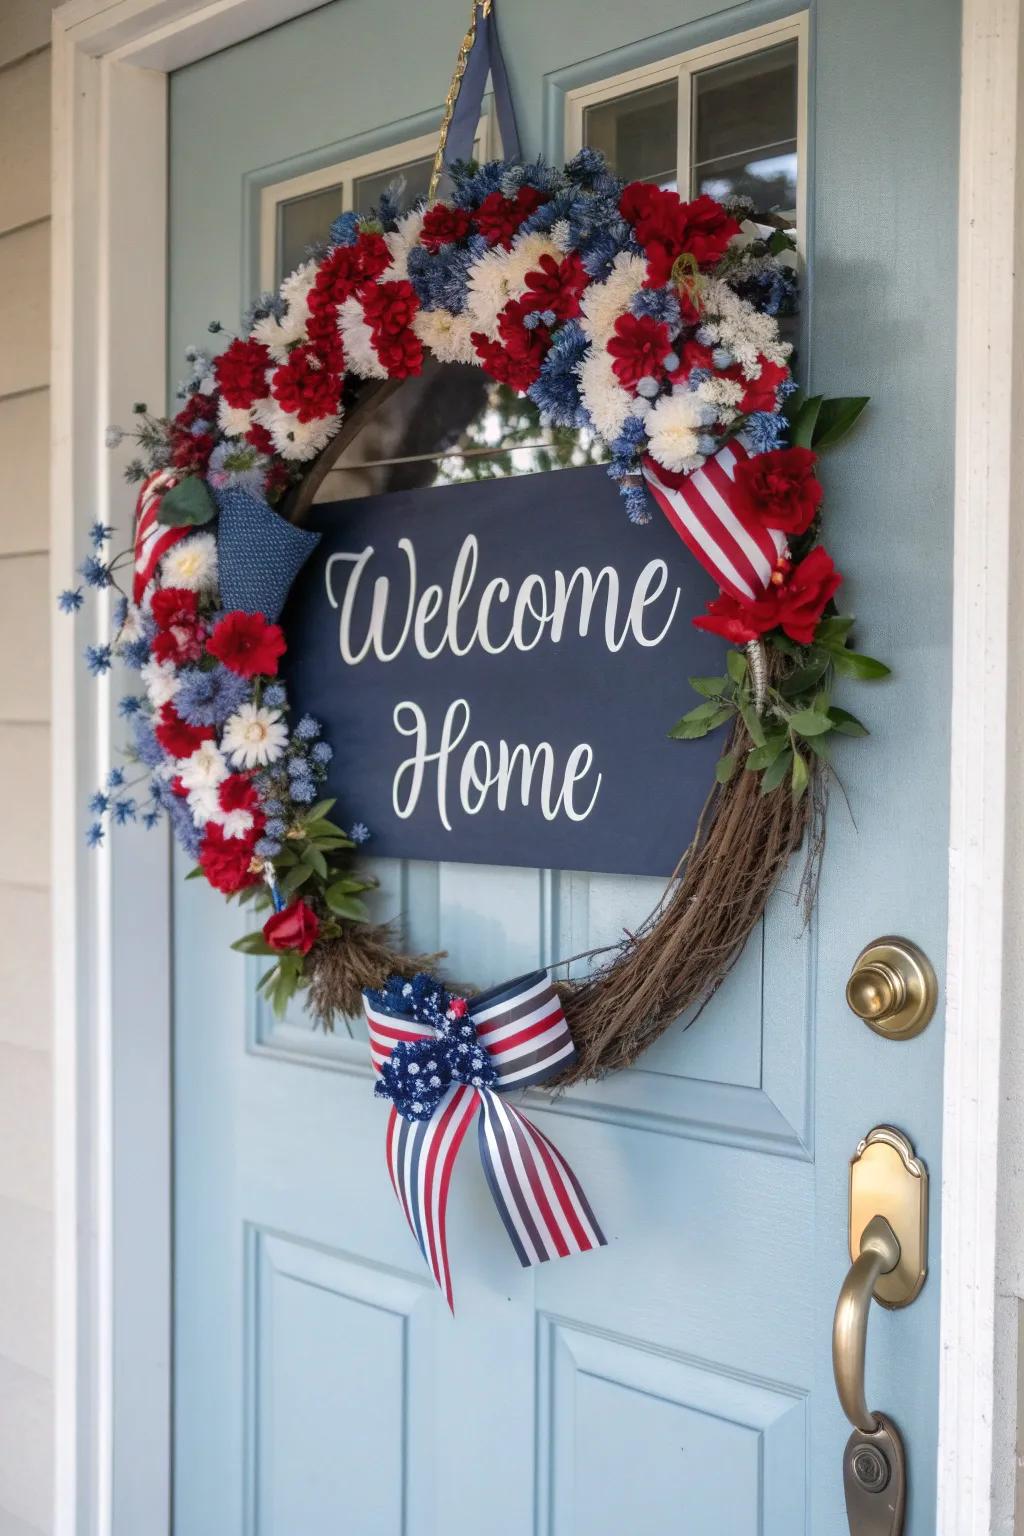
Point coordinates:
[(497, 666)]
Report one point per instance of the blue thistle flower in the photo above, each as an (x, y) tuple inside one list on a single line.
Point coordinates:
[(129, 706), (115, 778), (150, 819), (661, 304), (94, 835), (345, 229), (638, 506), (149, 750), (134, 653), (276, 696), (99, 804), (96, 572), (307, 729), (586, 166), (764, 431), (124, 810), (98, 658), (99, 533), (322, 753), (303, 791), (70, 600), (268, 847), (359, 833), (208, 698)]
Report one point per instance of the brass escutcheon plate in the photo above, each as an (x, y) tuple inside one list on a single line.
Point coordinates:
[(886, 1179), (893, 988)]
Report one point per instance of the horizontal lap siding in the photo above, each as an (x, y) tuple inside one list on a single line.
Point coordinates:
[(26, 1171)]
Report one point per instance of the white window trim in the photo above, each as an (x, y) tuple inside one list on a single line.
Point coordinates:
[(345, 173), (111, 960), (683, 67)]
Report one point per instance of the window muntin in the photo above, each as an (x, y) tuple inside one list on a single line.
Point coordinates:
[(744, 138), (636, 133)]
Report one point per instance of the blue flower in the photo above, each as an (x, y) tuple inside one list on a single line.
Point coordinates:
[(70, 600), (124, 810), (307, 729), (268, 847), (298, 767), (238, 464), (129, 705), (345, 229), (134, 653), (150, 819), (94, 835), (276, 827), (764, 430), (99, 533), (99, 803), (304, 791), (115, 778), (266, 304), (660, 304), (419, 1072), (556, 390), (96, 571), (208, 698), (586, 166), (184, 828), (149, 750), (98, 658), (359, 832), (638, 506), (276, 696), (322, 753)]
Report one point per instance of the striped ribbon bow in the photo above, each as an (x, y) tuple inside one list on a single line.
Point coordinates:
[(737, 550), (546, 1214), (152, 539)]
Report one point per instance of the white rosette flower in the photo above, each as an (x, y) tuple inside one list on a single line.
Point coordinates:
[(673, 427)]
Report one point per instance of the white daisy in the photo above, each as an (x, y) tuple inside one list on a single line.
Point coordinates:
[(205, 769), (672, 430), (254, 737), (446, 335), (192, 564), (233, 420), (360, 353), (161, 682)]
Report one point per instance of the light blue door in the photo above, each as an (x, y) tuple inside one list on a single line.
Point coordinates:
[(680, 1379)]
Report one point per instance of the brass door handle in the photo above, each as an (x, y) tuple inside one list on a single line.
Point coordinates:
[(879, 1255)]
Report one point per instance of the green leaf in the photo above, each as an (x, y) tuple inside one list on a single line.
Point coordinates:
[(802, 430), (187, 504), (810, 722), (726, 767), (709, 687), (774, 775), (819, 746), (318, 811), (346, 905), (349, 885), (763, 757), (196, 874), (316, 861), (835, 419), (736, 666), (700, 721), (805, 678), (835, 628), (322, 827), (801, 775), (253, 944), (822, 701), (295, 877), (852, 664), (847, 724), (752, 721)]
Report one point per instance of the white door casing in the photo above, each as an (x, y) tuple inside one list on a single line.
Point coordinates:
[(111, 910)]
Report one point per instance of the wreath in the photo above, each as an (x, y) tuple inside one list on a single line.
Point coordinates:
[(653, 322)]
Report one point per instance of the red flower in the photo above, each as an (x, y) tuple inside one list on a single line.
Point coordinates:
[(443, 225), (322, 330), (556, 285), (760, 393), (517, 372), (389, 308), (294, 928), (795, 606), (237, 793), (191, 437), (305, 387), (499, 217), (225, 861), (174, 605), (639, 347), (241, 372), (458, 1007), (779, 489), (521, 340), (260, 438), (344, 268), (247, 644), (176, 736), (692, 354), (668, 228), (401, 355), (180, 634)]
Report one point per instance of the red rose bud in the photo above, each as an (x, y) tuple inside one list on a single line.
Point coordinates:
[(294, 928), (779, 489)]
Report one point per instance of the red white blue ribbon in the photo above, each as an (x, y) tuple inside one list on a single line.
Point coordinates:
[(152, 538), (737, 550), (546, 1214)]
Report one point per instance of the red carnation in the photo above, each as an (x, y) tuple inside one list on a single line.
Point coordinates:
[(241, 372), (180, 634), (237, 793), (345, 267), (176, 736), (639, 347), (294, 928), (796, 606), (760, 394), (401, 355), (499, 217), (174, 605), (303, 386), (667, 228), (556, 286), (692, 354), (374, 256), (247, 644), (389, 308), (779, 489), (260, 438), (225, 861), (325, 338), (443, 226), (517, 372), (736, 622)]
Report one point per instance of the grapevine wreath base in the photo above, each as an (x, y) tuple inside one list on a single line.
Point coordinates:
[(651, 323)]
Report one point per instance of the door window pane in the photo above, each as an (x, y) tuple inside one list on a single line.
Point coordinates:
[(744, 130), (367, 190), (301, 222), (637, 134)]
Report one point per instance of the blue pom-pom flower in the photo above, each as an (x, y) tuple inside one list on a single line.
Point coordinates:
[(419, 1073)]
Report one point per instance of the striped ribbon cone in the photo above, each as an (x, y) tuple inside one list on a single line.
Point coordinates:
[(739, 552), (546, 1214), (152, 539)]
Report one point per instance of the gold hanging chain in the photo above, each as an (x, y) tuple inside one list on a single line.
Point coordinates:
[(483, 8)]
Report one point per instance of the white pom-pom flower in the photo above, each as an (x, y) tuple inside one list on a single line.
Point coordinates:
[(161, 682), (673, 425), (192, 564)]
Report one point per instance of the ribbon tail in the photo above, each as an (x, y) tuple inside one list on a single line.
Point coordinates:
[(540, 1200), (485, 58), (421, 1156)]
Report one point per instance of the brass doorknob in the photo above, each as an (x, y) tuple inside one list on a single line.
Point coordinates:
[(893, 988)]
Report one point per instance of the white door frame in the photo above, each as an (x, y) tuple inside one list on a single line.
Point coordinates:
[(112, 971)]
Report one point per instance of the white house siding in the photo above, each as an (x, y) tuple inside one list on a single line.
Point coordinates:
[(26, 1201)]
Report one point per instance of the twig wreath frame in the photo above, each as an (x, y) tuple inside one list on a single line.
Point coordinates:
[(649, 320)]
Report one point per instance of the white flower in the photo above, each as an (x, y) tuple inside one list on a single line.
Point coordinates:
[(400, 242), (297, 285), (131, 629), (360, 353), (205, 769), (235, 823), (233, 420), (192, 564), (279, 336), (740, 328), (295, 439), (161, 682), (606, 402), (672, 430), (446, 335), (500, 275), (603, 303), (204, 803), (254, 737)]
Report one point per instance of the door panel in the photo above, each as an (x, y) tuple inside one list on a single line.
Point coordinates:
[(680, 1378)]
